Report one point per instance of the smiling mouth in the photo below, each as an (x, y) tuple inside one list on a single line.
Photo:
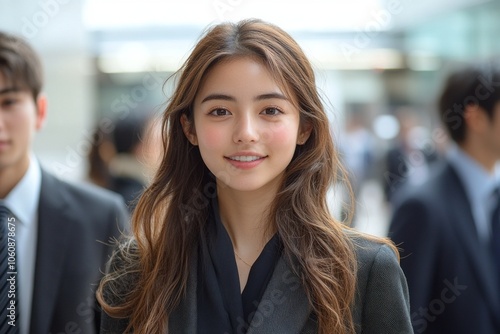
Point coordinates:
[(245, 158)]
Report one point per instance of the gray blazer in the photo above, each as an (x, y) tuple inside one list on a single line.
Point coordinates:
[(381, 304)]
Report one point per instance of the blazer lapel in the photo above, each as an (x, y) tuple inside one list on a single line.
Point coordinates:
[(284, 307), (477, 251), (50, 252)]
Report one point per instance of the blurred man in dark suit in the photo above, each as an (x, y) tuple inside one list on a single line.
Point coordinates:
[(58, 230), (408, 160), (448, 227)]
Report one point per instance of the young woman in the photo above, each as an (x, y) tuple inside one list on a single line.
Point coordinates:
[(234, 234)]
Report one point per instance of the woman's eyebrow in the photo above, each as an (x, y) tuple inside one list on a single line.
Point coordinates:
[(225, 97), (270, 96), (219, 97)]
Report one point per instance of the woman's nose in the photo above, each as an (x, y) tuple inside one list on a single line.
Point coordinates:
[(246, 129)]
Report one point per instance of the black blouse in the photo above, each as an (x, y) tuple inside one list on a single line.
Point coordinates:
[(222, 308)]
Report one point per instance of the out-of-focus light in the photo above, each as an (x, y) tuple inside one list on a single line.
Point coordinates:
[(423, 61), (386, 127), (127, 57), (369, 59), (129, 64), (418, 137), (169, 55)]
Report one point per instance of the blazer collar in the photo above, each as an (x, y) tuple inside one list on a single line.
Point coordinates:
[(52, 240)]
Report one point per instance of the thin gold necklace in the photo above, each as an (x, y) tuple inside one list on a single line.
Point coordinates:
[(239, 257)]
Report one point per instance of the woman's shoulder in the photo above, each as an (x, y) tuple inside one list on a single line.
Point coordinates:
[(371, 250), (122, 272), (382, 302), (125, 254)]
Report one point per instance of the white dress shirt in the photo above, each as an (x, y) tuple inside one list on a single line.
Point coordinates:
[(479, 185), (22, 202)]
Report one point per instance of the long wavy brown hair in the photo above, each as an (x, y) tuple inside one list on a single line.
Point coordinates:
[(170, 216)]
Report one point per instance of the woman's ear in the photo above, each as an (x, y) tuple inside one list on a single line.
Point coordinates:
[(304, 134), (188, 129)]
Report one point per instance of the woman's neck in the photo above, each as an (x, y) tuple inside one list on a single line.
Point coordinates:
[(245, 217)]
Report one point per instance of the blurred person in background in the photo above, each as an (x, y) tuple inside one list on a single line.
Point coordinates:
[(124, 155), (58, 230), (407, 160), (448, 227), (100, 154), (357, 150)]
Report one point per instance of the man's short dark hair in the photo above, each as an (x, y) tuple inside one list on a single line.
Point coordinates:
[(129, 132), (477, 85), (20, 65)]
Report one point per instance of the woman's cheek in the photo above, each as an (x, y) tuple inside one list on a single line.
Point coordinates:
[(212, 137), (281, 134)]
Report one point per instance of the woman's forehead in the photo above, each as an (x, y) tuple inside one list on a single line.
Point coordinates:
[(246, 69)]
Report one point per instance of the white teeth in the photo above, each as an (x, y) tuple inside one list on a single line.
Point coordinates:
[(244, 158)]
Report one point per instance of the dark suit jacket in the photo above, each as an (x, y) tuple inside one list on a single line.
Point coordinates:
[(381, 305), (396, 175), (452, 283), (73, 223)]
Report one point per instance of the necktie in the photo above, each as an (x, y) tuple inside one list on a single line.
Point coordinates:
[(495, 231), (8, 274)]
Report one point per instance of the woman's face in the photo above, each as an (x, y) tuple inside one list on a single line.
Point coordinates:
[(245, 126)]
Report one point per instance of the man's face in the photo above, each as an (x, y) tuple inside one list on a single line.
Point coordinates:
[(20, 117)]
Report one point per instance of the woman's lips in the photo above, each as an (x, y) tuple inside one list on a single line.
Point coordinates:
[(245, 161)]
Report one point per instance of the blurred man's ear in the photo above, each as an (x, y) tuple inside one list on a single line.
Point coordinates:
[(41, 106), (475, 118)]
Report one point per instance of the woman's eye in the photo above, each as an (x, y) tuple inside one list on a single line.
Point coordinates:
[(220, 112), (272, 111)]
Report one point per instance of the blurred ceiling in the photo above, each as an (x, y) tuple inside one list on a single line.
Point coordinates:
[(291, 15), (151, 35)]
